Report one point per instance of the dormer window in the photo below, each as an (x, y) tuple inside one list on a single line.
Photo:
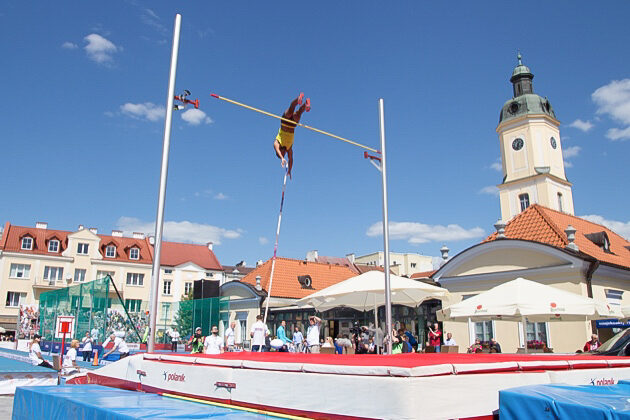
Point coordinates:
[(134, 254), (601, 240), (27, 243), (82, 248), (110, 251), (524, 200), (53, 245)]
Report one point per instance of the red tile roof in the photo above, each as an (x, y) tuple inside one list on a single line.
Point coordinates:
[(286, 272), (423, 274), (175, 253), (344, 261), (12, 239), (123, 245), (541, 224)]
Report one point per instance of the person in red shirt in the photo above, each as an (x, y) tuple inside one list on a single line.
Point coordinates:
[(593, 344), (435, 337)]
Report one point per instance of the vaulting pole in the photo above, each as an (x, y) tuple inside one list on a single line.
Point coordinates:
[(159, 221), (388, 291)]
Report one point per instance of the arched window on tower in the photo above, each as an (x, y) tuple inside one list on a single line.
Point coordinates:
[(524, 200), (560, 202)]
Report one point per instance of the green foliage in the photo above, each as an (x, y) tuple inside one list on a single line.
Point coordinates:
[(184, 316)]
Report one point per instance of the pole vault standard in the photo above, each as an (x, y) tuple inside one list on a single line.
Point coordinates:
[(388, 298), (159, 221)]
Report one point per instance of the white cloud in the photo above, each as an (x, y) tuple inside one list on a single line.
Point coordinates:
[(490, 189), (149, 17), (620, 228), (147, 110), (100, 49), (69, 46), (571, 151), (195, 117), (581, 125), (618, 134), (179, 231), (220, 196), (497, 165), (613, 99), (262, 240), (419, 233)]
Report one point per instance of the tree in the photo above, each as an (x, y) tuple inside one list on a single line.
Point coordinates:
[(184, 315)]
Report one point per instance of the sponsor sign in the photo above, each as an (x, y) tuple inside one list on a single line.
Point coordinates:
[(173, 376), (611, 323)]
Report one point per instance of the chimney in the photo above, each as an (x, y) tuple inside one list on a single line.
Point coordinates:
[(138, 235), (80, 227), (350, 258), (94, 230), (500, 227), (570, 231), (152, 240), (209, 245), (259, 263), (444, 250), (117, 233), (41, 225), (312, 255), (258, 285)]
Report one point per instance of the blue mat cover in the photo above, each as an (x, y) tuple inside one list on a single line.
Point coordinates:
[(95, 402), (559, 401)]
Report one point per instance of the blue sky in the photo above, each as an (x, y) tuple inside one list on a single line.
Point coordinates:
[(85, 86)]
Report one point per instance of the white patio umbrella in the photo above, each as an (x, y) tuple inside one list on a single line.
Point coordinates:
[(367, 291), (522, 300), (625, 312)]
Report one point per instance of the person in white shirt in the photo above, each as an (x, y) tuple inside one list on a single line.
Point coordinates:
[(94, 334), (70, 359), (35, 353), (174, 334), (450, 341), (87, 347), (258, 334), (119, 345), (230, 337), (213, 344), (312, 334)]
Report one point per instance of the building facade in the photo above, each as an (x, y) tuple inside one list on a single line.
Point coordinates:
[(401, 264)]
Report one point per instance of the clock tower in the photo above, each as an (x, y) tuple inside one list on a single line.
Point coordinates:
[(531, 151)]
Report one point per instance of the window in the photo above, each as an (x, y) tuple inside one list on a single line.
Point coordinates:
[(135, 279), (243, 324), (82, 248), (413, 265), (133, 305), (53, 245), (15, 298), (208, 274), (27, 242), (166, 308), (167, 287), (614, 296), (560, 202), (168, 271), (536, 335), (101, 274), (53, 273), (524, 199), (79, 275), (134, 254), (188, 286), (483, 331), (20, 271), (110, 251)]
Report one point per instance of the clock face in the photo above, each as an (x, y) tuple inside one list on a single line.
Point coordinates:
[(553, 143), (517, 144)]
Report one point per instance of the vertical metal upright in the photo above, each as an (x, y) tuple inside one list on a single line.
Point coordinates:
[(159, 221), (388, 291)]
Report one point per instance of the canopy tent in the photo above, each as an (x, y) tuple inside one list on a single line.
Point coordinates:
[(367, 291), (525, 300)]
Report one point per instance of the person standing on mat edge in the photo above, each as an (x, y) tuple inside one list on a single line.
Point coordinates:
[(87, 347), (258, 334), (312, 334), (283, 145)]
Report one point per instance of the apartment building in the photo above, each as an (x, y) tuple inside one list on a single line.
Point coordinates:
[(37, 259), (401, 264)]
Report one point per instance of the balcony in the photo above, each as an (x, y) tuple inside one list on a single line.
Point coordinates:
[(46, 284)]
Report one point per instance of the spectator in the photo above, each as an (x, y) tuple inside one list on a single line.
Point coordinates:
[(174, 334), (593, 344), (475, 348), (411, 339), (377, 333), (435, 337), (258, 334), (494, 346), (119, 345), (282, 335), (230, 335), (406, 346), (371, 346), (328, 343), (450, 341), (312, 334), (298, 340), (213, 344), (94, 334), (70, 359), (87, 347), (196, 341), (35, 353), (397, 344), (343, 342)]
